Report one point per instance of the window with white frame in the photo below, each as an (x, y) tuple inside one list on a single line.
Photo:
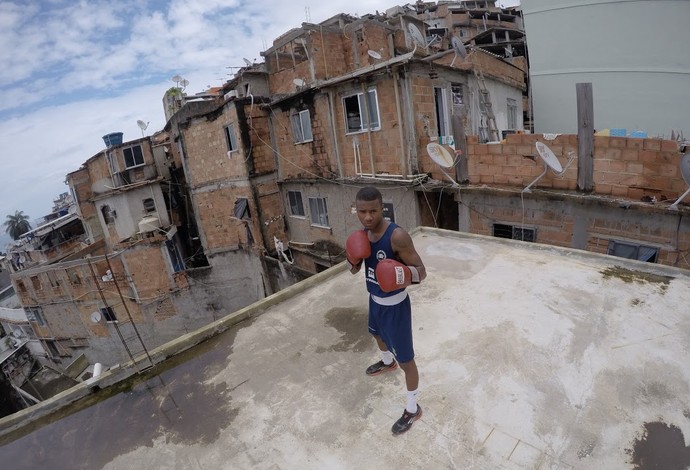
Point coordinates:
[(318, 211), (443, 126), (133, 156), (108, 314), (230, 137), (296, 204), (301, 127), (512, 113), (356, 106)]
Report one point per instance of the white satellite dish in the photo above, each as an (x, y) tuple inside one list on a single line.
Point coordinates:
[(183, 83), (458, 47), (442, 157), (176, 79), (142, 125), (685, 172), (298, 82), (374, 54), (247, 61), (550, 161), (96, 317), (417, 36)]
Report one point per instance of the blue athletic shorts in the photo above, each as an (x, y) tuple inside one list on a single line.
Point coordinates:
[(393, 323)]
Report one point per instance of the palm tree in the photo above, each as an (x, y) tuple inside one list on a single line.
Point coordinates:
[(16, 225)]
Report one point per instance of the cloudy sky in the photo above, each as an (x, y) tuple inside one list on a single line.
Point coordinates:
[(74, 70)]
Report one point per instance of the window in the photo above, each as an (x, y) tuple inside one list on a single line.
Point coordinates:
[(512, 113), (301, 127), (109, 314), (149, 205), (35, 314), (36, 283), (230, 137), (633, 251), (133, 156), (443, 127), (241, 210), (318, 211), (52, 348), (514, 233), (108, 215), (175, 257), (355, 107), (296, 204)]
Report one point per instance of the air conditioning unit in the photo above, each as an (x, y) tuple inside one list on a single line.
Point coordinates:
[(149, 223), (230, 94)]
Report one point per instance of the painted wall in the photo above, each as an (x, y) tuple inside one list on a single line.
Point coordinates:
[(633, 52)]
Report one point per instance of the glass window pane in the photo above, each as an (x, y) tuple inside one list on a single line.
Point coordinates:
[(296, 128), (306, 125)]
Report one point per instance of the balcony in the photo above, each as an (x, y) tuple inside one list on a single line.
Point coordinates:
[(135, 175)]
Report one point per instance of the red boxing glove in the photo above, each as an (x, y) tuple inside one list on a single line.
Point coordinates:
[(393, 275), (357, 248)]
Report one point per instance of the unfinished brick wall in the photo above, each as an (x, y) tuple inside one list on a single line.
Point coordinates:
[(260, 153), (215, 213), (361, 37), (315, 158), (207, 149), (149, 271), (327, 52), (623, 167)]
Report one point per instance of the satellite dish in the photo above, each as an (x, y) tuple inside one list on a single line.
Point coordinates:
[(550, 161), (549, 158), (374, 54), (176, 78), (442, 157), (417, 36), (685, 172), (184, 83), (96, 317), (298, 82), (142, 125), (248, 62), (458, 46)]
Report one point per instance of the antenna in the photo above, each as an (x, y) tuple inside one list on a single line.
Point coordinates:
[(374, 54), (442, 157), (298, 82), (459, 48), (550, 161), (184, 83), (142, 125), (177, 79), (685, 172), (247, 61)]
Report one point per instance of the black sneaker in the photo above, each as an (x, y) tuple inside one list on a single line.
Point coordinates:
[(376, 369), (406, 420)]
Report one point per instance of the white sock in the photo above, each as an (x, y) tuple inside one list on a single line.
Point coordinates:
[(387, 357), (412, 401)]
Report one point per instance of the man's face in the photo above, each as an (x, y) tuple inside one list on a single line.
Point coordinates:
[(370, 213)]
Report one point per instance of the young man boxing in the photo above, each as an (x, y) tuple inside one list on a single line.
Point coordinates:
[(391, 263)]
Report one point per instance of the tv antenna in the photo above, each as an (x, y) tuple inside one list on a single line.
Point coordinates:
[(550, 161), (685, 172), (142, 125), (459, 48), (374, 54), (442, 157)]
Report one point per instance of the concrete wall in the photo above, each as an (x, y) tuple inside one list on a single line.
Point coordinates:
[(633, 52)]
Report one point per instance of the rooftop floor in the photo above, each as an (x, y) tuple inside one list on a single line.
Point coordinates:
[(529, 356)]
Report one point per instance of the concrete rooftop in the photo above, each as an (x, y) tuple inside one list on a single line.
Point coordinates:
[(530, 357)]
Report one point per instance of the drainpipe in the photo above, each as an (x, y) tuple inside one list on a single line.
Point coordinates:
[(365, 93), (403, 150), (331, 105)]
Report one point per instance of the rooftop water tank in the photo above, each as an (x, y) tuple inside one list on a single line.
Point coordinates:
[(149, 224), (112, 139)]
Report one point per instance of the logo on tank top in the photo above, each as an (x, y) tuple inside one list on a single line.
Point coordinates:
[(380, 255)]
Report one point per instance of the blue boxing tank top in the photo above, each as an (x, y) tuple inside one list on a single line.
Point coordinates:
[(382, 249)]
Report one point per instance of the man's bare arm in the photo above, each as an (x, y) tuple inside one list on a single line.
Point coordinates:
[(402, 245)]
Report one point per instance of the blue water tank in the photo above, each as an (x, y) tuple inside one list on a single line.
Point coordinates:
[(112, 139)]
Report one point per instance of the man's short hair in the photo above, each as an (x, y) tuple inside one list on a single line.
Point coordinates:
[(369, 193)]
